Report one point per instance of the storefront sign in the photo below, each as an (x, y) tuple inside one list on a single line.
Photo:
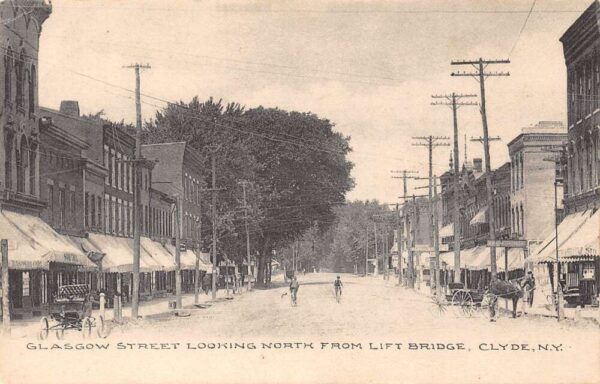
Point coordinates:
[(507, 243)]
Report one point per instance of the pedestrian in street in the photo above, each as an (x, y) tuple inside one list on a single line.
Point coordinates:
[(294, 285), (528, 286), (206, 283)]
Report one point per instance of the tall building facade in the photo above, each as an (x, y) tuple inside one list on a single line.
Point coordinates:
[(532, 176), (581, 46), (20, 28)]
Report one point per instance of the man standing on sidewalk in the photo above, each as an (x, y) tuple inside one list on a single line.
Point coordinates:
[(529, 287)]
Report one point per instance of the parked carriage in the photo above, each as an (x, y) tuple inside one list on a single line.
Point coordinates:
[(71, 308)]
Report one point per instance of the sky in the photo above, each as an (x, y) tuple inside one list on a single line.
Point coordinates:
[(370, 67)]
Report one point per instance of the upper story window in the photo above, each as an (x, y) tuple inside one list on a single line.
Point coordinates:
[(113, 168), (20, 72), (32, 85), (8, 68), (107, 164)]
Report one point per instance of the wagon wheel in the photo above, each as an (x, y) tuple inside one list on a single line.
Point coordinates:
[(101, 328), (486, 302), (86, 328), (60, 332), (439, 306), (463, 302), (44, 328)]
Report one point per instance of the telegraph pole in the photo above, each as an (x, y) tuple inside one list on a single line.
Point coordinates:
[(367, 254), (453, 100), (431, 142), (135, 286), (405, 175), (376, 271), (480, 74), (436, 237), (214, 189), (244, 183)]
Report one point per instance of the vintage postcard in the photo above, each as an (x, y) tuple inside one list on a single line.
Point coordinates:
[(249, 191)]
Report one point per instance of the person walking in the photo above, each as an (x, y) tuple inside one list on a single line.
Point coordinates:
[(337, 285), (294, 285)]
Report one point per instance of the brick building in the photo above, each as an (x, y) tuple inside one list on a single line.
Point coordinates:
[(578, 252), (532, 179)]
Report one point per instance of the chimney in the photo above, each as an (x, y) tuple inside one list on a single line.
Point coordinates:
[(70, 107), (477, 164)]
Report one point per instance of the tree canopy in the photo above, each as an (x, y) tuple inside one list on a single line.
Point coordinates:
[(295, 164)]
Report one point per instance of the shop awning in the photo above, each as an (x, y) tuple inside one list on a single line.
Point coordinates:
[(119, 254), (158, 253), (467, 258), (33, 244), (188, 259), (585, 243), (447, 230), (577, 236), (480, 217)]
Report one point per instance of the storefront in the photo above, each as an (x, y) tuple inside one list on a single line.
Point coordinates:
[(578, 258), (39, 260)]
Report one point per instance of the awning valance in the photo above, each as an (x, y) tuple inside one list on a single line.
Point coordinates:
[(33, 244), (480, 217)]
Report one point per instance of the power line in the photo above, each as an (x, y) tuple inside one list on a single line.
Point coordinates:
[(522, 28)]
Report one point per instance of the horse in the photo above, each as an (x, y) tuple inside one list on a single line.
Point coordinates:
[(506, 290)]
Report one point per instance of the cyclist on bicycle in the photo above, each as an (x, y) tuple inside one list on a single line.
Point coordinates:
[(294, 289), (337, 284)]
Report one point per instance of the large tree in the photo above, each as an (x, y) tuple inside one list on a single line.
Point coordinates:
[(295, 164)]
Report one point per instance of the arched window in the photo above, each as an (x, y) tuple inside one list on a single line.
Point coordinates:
[(32, 166), (22, 161), (8, 156), (20, 72), (32, 84), (8, 68)]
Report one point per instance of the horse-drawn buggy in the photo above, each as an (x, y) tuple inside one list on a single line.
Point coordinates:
[(71, 308)]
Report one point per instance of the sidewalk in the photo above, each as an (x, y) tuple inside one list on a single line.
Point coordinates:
[(30, 327), (574, 314)]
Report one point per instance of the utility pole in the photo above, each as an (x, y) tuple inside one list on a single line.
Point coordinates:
[(405, 175), (213, 153), (480, 74), (135, 286), (367, 254), (431, 142), (213, 162), (453, 101), (376, 271), (197, 265), (178, 227), (410, 211), (5, 288), (243, 184), (558, 155), (436, 237)]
